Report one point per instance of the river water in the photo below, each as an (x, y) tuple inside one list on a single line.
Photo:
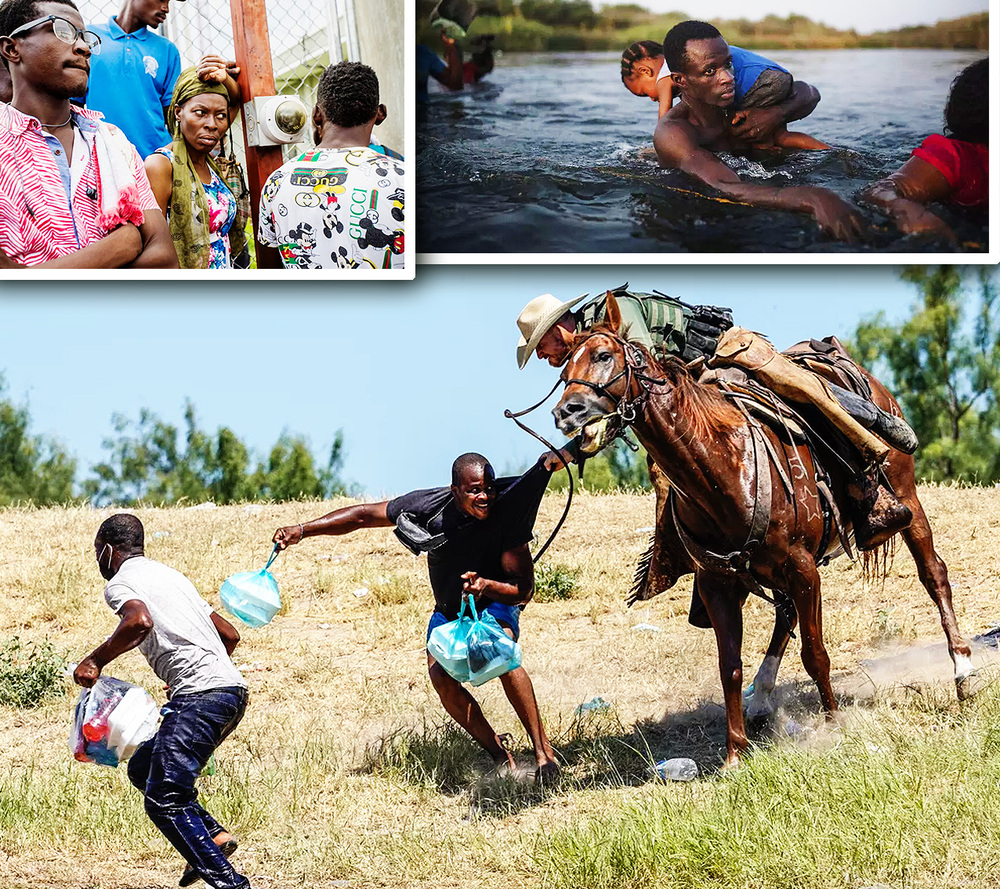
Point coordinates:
[(544, 156)]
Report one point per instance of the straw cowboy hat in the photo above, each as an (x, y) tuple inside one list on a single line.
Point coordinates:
[(536, 319)]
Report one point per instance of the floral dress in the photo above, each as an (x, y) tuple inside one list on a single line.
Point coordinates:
[(221, 213)]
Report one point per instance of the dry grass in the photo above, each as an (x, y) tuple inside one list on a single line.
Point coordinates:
[(344, 772)]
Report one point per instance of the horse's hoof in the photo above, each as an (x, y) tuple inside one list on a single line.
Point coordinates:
[(758, 723), (729, 767), (969, 685)]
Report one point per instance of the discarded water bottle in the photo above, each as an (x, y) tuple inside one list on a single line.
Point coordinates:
[(679, 769), (594, 705)]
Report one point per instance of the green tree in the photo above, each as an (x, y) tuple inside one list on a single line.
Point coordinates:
[(571, 13), (943, 365), (616, 468), (149, 460), (291, 472), (33, 468)]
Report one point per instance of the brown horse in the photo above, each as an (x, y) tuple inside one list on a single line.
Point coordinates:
[(748, 505)]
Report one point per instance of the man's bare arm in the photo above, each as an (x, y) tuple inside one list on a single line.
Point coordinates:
[(516, 589), (757, 124), (903, 194), (451, 77), (677, 148), (134, 626), (227, 632), (340, 521), (157, 246), (146, 246), (114, 250)]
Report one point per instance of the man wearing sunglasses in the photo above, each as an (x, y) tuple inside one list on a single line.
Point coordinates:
[(73, 191), (132, 81)]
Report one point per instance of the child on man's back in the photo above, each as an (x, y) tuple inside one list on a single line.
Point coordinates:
[(645, 73)]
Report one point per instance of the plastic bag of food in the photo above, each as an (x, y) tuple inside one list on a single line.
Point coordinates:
[(448, 647), (111, 719), (490, 651)]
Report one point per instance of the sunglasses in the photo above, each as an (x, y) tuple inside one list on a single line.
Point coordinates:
[(65, 30)]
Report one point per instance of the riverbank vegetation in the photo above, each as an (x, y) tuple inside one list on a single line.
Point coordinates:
[(576, 25)]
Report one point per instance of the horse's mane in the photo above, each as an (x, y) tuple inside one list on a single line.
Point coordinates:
[(704, 408)]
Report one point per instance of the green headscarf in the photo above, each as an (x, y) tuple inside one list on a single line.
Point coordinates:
[(188, 205)]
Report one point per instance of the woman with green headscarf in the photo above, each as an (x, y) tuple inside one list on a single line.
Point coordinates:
[(186, 181)]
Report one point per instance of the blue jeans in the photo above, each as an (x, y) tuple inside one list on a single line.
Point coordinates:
[(165, 769)]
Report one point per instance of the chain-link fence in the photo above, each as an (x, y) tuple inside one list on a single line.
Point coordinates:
[(304, 35)]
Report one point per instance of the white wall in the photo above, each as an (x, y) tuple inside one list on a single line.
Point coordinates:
[(381, 38)]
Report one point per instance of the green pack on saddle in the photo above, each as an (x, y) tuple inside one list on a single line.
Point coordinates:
[(670, 327)]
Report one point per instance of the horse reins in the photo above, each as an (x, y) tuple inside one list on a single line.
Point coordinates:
[(516, 415), (569, 499)]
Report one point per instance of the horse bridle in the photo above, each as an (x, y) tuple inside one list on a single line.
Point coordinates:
[(624, 408)]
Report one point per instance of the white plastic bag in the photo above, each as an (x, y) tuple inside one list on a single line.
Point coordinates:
[(111, 719)]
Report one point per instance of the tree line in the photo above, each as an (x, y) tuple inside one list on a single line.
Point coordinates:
[(942, 363), (567, 25), (148, 460)]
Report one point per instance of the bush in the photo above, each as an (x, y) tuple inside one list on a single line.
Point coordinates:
[(554, 582), (29, 673)]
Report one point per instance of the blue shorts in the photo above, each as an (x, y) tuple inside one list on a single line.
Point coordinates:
[(505, 615)]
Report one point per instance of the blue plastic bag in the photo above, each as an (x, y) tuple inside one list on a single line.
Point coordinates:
[(252, 596), (448, 647), (474, 648), (489, 650)]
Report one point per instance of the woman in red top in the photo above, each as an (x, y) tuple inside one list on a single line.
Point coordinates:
[(952, 168)]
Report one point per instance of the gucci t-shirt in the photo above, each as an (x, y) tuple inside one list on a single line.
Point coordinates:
[(335, 208)]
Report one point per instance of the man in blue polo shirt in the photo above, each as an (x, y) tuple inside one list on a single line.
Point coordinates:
[(132, 80)]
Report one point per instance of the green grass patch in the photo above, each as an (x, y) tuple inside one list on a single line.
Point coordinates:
[(556, 582), (881, 803), (439, 757), (29, 673)]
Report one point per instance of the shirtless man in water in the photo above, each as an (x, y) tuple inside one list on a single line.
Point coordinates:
[(704, 122)]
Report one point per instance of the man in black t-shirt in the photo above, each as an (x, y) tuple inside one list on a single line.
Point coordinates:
[(476, 534)]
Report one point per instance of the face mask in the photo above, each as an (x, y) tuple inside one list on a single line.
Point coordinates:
[(105, 567)]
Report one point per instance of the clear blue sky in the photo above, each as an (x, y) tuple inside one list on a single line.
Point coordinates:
[(863, 15), (413, 372)]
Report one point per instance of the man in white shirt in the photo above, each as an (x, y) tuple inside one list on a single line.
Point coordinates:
[(188, 646)]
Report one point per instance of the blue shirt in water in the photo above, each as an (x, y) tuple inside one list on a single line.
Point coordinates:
[(132, 81), (428, 62), (747, 67)]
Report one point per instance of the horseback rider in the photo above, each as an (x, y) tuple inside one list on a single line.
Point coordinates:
[(669, 327), (664, 325)]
